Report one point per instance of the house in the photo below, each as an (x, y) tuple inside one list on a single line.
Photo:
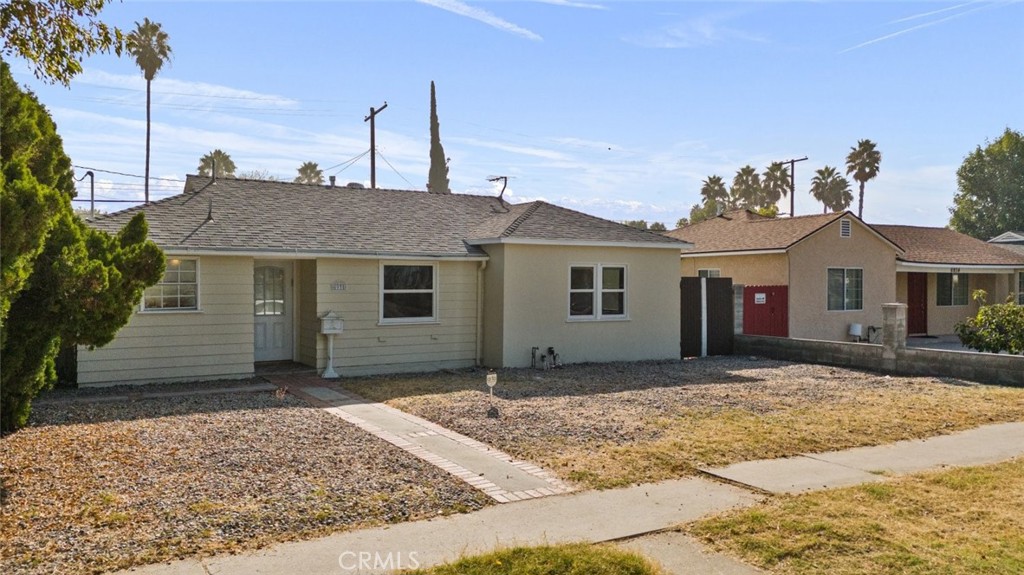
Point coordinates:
[(1013, 241), (836, 271), (421, 281), (830, 271), (940, 270)]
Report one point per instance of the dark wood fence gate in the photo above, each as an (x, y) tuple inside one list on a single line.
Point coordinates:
[(707, 316)]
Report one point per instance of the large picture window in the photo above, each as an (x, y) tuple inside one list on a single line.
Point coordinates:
[(408, 293), (845, 289), (177, 290), (597, 292), (951, 289)]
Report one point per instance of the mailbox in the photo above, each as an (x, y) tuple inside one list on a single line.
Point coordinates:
[(331, 323)]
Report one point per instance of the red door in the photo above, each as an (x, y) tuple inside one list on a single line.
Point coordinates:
[(917, 304), (766, 310)]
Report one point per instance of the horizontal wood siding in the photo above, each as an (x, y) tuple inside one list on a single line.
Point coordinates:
[(215, 342), (366, 347)]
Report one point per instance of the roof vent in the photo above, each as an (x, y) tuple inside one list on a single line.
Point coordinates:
[(355, 185), (333, 178), (844, 228)]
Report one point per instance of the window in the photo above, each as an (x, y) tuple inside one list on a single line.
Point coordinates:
[(951, 289), (609, 290), (845, 230), (177, 290), (1020, 288), (845, 289), (408, 293), (268, 285), (709, 273)]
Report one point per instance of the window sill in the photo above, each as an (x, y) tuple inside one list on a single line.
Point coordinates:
[(407, 322), (168, 311), (587, 319)]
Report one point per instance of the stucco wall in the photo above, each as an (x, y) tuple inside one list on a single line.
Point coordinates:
[(766, 269), (494, 307), (535, 306), (809, 261), (367, 347), (214, 342)]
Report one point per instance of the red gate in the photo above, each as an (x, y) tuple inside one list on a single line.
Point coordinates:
[(766, 310)]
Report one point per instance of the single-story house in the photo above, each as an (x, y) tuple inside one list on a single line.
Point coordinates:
[(1013, 241), (838, 270), (421, 281)]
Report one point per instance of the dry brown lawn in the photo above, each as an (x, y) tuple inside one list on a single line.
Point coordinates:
[(962, 521), (94, 487), (608, 425)]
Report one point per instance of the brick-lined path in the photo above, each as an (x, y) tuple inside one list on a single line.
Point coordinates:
[(498, 474)]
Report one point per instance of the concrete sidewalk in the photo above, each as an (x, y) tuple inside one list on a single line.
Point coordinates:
[(812, 472), (591, 516)]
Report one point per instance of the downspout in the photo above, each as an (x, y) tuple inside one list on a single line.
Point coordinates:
[(480, 313)]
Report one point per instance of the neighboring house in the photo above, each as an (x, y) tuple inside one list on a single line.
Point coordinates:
[(422, 281), (1013, 241), (837, 270), (940, 270)]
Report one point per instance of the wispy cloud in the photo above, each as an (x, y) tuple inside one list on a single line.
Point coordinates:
[(702, 30), (480, 15), (193, 90), (928, 24), (572, 4)]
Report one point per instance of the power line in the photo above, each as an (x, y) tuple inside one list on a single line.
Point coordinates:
[(124, 174), (393, 169), (347, 163)]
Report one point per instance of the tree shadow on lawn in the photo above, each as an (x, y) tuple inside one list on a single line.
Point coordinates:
[(572, 380)]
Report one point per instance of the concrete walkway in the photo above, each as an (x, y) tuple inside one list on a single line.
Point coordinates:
[(812, 472), (497, 474)]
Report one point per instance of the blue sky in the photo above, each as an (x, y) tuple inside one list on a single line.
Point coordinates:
[(617, 109)]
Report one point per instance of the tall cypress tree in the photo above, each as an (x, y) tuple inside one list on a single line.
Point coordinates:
[(437, 182)]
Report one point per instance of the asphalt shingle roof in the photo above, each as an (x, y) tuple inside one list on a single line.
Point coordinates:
[(946, 246), (280, 217), (742, 230)]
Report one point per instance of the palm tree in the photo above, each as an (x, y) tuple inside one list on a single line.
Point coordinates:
[(148, 44), (746, 188), (713, 190), (863, 162), (831, 189), (216, 160), (775, 184), (310, 173)]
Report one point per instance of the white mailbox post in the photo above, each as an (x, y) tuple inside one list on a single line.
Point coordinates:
[(331, 324)]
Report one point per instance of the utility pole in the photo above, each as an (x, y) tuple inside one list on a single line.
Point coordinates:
[(792, 183), (373, 143), (92, 192)]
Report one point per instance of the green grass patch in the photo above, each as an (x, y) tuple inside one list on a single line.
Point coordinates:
[(572, 559), (951, 522)]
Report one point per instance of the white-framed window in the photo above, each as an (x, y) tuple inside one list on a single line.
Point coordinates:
[(178, 290), (952, 289), (268, 287), (408, 293), (845, 289), (709, 273), (1020, 288), (597, 291)]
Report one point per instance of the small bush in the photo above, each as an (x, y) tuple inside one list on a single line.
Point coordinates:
[(996, 328)]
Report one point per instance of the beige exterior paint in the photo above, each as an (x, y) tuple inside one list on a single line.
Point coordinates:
[(308, 331), (809, 261), (764, 269), (942, 319), (367, 347), (527, 295), (214, 342)]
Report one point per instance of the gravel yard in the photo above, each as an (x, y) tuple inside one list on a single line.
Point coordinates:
[(607, 425), (96, 486)]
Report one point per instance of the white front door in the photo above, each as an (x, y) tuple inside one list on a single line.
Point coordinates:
[(272, 291)]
